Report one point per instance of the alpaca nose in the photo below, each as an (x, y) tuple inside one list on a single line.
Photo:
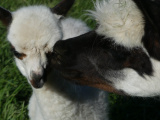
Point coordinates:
[(37, 80)]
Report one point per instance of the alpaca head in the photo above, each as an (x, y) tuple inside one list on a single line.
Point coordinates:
[(32, 33)]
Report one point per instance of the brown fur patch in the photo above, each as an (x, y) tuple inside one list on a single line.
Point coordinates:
[(22, 56)]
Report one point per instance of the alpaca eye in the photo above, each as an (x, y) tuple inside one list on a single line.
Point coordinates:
[(19, 55)]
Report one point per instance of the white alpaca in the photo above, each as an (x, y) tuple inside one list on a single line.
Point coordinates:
[(32, 33)]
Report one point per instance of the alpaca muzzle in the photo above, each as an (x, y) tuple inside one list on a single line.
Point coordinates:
[(37, 80)]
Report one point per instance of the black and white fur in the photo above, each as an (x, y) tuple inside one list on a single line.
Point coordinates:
[(32, 33), (122, 53)]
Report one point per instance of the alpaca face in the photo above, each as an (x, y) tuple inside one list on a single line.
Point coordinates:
[(32, 34)]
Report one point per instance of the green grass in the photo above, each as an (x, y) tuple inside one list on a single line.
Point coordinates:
[(15, 91)]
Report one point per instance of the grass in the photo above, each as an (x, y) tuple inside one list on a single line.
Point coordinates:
[(15, 91)]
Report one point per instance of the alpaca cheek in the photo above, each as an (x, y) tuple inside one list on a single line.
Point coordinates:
[(21, 66)]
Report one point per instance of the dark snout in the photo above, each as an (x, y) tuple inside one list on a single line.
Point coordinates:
[(37, 80)]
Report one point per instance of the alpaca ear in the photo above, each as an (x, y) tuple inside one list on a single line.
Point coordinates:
[(5, 16), (63, 7)]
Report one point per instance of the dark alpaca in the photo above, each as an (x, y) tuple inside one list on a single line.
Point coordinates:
[(101, 59)]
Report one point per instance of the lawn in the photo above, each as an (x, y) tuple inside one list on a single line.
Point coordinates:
[(15, 91)]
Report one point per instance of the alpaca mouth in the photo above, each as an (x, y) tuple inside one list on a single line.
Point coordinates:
[(37, 83)]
